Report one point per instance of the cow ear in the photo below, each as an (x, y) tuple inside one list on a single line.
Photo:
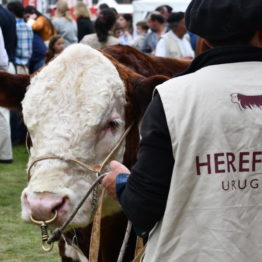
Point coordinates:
[(144, 88), (12, 89)]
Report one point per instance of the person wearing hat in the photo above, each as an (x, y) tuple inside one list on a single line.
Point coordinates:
[(176, 42), (196, 187)]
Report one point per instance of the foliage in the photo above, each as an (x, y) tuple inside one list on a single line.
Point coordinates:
[(19, 242)]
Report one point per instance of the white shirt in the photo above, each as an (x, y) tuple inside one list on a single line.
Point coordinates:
[(3, 53), (184, 46)]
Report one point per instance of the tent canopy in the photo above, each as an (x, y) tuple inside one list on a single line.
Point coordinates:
[(121, 8), (142, 7)]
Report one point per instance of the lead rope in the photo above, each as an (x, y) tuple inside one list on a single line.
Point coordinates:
[(96, 230)]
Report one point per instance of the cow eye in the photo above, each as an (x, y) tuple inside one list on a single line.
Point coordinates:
[(113, 124)]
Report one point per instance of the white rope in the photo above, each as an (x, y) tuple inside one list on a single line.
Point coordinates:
[(125, 241)]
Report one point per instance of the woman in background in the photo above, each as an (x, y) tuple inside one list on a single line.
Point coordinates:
[(104, 25), (64, 23), (84, 24)]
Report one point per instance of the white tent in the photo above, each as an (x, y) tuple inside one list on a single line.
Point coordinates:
[(121, 8), (142, 7)]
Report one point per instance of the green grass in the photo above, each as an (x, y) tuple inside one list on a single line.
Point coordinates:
[(19, 242)]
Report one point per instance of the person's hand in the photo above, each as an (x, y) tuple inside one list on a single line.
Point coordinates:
[(109, 181)]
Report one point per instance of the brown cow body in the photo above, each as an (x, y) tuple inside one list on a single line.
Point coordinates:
[(144, 64)]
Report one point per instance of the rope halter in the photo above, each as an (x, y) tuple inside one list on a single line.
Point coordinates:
[(97, 169)]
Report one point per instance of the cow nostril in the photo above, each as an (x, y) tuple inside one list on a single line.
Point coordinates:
[(61, 205)]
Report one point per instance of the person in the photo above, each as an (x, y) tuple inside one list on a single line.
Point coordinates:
[(176, 42), (84, 24), (3, 54), (40, 23), (55, 47), (6, 154), (196, 186), (64, 23), (156, 24), (104, 25), (24, 38), (37, 59), (102, 7), (126, 21), (118, 30), (8, 26), (141, 32), (165, 11)]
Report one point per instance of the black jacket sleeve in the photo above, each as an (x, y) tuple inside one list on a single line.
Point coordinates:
[(144, 197)]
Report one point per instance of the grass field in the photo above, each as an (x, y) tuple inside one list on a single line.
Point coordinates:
[(19, 242)]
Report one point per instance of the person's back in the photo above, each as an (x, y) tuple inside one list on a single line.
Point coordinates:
[(37, 59), (214, 115), (92, 40), (206, 205), (24, 38), (84, 24), (67, 29), (85, 27), (103, 27), (64, 24)]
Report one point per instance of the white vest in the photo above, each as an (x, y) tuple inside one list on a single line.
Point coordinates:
[(214, 207)]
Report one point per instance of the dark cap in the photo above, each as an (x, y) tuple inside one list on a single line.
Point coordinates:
[(218, 20), (175, 17)]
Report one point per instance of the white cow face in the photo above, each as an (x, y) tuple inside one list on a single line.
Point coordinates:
[(74, 109), (234, 98)]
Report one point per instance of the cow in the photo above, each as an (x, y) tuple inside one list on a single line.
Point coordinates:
[(77, 108), (144, 64), (247, 101)]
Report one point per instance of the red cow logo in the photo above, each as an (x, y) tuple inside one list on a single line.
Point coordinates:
[(247, 102)]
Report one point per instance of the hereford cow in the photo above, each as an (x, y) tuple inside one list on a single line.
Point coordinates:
[(144, 64), (77, 108), (247, 101)]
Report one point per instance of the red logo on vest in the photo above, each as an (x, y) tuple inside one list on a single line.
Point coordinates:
[(247, 102)]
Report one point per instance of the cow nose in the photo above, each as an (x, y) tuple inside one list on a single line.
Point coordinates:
[(42, 206)]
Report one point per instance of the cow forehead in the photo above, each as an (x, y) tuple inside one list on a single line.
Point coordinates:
[(80, 83)]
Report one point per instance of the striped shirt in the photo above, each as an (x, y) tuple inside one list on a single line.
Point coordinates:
[(24, 42)]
